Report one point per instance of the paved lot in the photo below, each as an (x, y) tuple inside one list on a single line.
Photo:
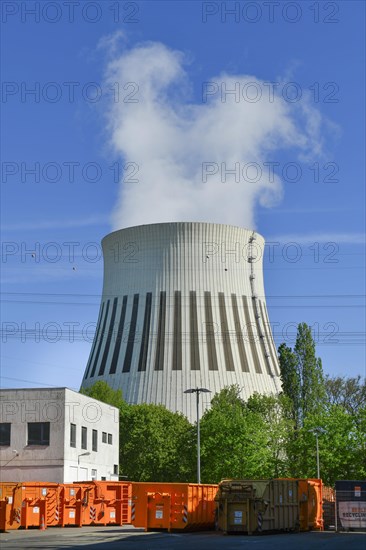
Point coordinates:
[(127, 538)]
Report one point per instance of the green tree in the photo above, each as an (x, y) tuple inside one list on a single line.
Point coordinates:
[(103, 392), (156, 445), (275, 416), (242, 440), (291, 381), (348, 392), (302, 375), (310, 370), (225, 438), (341, 446)]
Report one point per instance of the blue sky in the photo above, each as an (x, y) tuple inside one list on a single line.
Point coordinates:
[(74, 134)]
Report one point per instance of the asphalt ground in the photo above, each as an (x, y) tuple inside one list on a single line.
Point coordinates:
[(129, 538)]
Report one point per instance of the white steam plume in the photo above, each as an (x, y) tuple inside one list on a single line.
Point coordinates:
[(168, 140)]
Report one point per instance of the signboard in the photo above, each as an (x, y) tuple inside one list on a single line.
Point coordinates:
[(159, 512), (352, 515), (238, 517)]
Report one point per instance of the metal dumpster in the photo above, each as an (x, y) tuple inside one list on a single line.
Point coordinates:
[(10, 506), (38, 503), (181, 506), (350, 505), (28, 504), (256, 506), (76, 508), (108, 502), (311, 504), (41, 504)]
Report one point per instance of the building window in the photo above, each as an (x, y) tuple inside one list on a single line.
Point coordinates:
[(103, 478), (109, 439), (104, 437), (94, 474), (95, 440), (72, 435), (5, 434), (38, 433), (115, 469), (84, 436)]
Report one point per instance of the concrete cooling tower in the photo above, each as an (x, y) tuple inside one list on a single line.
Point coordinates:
[(183, 307)]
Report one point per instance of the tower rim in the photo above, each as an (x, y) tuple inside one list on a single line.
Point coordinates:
[(186, 222)]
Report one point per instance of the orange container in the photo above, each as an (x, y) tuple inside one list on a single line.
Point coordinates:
[(315, 510), (10, 516), (108, 503), (75, 502), (311, 504), (38, 503), (10, 506), (28, 504), (114, 498), (7, 489), (171, 506)]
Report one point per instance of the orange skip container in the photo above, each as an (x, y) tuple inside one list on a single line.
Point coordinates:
[(27, 504), (173, 506)]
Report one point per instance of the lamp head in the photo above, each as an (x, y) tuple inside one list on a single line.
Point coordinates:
[(317, 430), (197, 390)]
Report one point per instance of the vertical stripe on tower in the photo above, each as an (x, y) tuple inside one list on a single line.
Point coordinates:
[(96, 336), (100, 340), (159, 354), (239, 335), (251, 336), (193, 331), (225, 334), (145, 333), (177, 331), (118, 342), (109, 338), (270, 343), (210, 334), (131, 335)]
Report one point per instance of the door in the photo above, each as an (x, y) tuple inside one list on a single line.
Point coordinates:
[(158, 511)]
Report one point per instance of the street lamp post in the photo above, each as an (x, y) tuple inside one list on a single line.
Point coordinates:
[(82, 454), (317, 431), (197, 391)]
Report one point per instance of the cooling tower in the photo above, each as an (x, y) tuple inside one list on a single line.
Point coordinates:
[(183, 307)]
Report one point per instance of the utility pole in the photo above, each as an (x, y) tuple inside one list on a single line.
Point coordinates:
[(317, 431), (197, 391)]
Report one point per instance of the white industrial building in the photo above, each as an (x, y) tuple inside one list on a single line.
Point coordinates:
[(57, 435), (183, 307)]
